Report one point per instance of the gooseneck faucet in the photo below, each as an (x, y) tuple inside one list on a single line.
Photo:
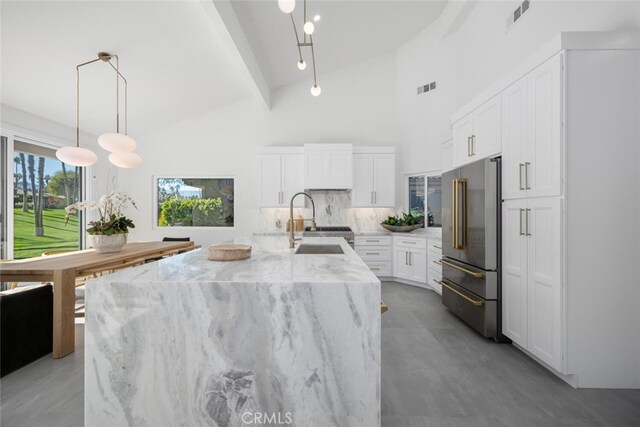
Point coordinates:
[(292, 238)]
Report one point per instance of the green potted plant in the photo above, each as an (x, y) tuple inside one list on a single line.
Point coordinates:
[(405, 223), (109, 232)]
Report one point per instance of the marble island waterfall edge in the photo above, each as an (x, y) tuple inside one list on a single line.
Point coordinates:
[(186, 341)]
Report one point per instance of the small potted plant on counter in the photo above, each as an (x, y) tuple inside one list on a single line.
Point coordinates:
[(404, 223), (108, 233)]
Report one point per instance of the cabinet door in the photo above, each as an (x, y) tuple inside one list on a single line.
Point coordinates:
[(401, 263), (514, 272), (514, 117), (418, 266), (270, 180), (362, 194), (544, 129), (292, 167), (462, 131), (545, 299), (384, 180), (487, 139)]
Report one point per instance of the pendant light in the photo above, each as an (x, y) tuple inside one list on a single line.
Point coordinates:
[(125, 160), (308, 28), (117, 142), (77, 156)]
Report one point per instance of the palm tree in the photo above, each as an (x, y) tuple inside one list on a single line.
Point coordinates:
[(36, 196), (66, 184), (25, 201)]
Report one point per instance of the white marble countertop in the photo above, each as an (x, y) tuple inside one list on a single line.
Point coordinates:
[(271, 261)]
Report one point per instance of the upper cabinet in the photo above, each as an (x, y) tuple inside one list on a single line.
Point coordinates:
[(478, 134), (281, 176), (374, 171), (328, 166), (532, 133)]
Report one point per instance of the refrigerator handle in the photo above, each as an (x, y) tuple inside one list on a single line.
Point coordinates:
[(459, 212)]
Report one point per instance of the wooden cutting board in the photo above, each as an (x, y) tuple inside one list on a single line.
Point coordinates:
[(228, 252)]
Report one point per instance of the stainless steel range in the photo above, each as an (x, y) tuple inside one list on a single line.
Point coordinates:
[(344, 232)]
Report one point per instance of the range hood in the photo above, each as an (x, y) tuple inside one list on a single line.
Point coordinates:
[(328, 167)]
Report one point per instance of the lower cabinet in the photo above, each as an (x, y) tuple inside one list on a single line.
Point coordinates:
[(434, 271), (410, 259), (532, 299), (375, 251)]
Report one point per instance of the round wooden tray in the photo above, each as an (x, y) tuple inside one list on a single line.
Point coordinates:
[(228, 252)]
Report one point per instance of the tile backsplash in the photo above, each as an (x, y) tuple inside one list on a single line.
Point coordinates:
[(333, 208)]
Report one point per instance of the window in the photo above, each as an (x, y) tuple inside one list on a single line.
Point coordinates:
[(42, 187), (425, 195), (195, 202)]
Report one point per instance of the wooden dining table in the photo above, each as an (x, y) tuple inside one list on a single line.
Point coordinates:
[(63, 269)]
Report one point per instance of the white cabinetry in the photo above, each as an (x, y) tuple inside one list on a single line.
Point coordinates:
[(434, 271), (328, 166), (478, 134), (374, 178), (410, 258), (281, 176), (532, 133), (532, 312), (375, 251)]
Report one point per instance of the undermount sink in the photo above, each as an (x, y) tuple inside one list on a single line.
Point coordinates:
[(319, 249)]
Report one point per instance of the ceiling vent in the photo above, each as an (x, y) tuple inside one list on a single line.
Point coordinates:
[(426, 88), (517, 13)]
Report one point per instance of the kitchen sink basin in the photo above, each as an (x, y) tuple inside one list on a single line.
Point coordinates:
[(306, 249)]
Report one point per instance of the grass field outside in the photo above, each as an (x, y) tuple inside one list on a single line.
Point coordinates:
[(56, 234)]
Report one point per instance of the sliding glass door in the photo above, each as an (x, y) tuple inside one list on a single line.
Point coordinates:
[(42, 187)]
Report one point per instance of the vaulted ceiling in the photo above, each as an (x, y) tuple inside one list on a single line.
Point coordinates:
[(181, 58)]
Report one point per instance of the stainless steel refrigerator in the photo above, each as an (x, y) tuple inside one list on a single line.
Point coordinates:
[(471, 206)]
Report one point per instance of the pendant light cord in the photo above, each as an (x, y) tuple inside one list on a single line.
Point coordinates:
[(78, 98), (295, 30), (118, 73)]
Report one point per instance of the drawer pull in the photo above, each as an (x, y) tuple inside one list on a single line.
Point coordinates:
[(437, 247), (437, 262), (373, 241), (373, 253), (472, 301), (405, 241), (374, 269), (464, 270)]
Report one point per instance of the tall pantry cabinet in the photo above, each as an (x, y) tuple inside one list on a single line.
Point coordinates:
[(570, 139)]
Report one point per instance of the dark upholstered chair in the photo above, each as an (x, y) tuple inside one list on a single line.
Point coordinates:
[(26, 326)]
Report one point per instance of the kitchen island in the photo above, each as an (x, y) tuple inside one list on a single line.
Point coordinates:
[(280, 338)]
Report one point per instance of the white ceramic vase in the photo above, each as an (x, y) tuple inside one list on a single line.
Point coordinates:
[(106, 244)]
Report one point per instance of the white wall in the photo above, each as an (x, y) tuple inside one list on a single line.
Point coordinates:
[(357, 105), (465, 56)]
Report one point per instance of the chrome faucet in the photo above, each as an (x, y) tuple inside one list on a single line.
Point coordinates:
[(292, 238)]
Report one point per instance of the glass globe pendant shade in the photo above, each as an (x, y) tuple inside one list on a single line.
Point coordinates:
[(302, 65), (315, 90), (117, 142), (76, 156), (308, 28), (125, 160), (287, 6)]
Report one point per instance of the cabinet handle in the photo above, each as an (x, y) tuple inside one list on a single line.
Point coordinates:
[(527, 222), (371, 197), (437, 262), (468, 146), (409, 243), (437, 247), (374, 269), (372, 253), (520, 167), (521, 232), (375, 197), (473, 145), (406, 258), (526, 175), (373, 241)]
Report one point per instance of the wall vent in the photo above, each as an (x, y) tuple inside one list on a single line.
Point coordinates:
[(426, 88), (517, 13)]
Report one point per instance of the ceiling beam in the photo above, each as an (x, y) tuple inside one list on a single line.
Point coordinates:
[(225, 21)]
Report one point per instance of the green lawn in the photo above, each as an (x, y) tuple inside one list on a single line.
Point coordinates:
[(56, 234)]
